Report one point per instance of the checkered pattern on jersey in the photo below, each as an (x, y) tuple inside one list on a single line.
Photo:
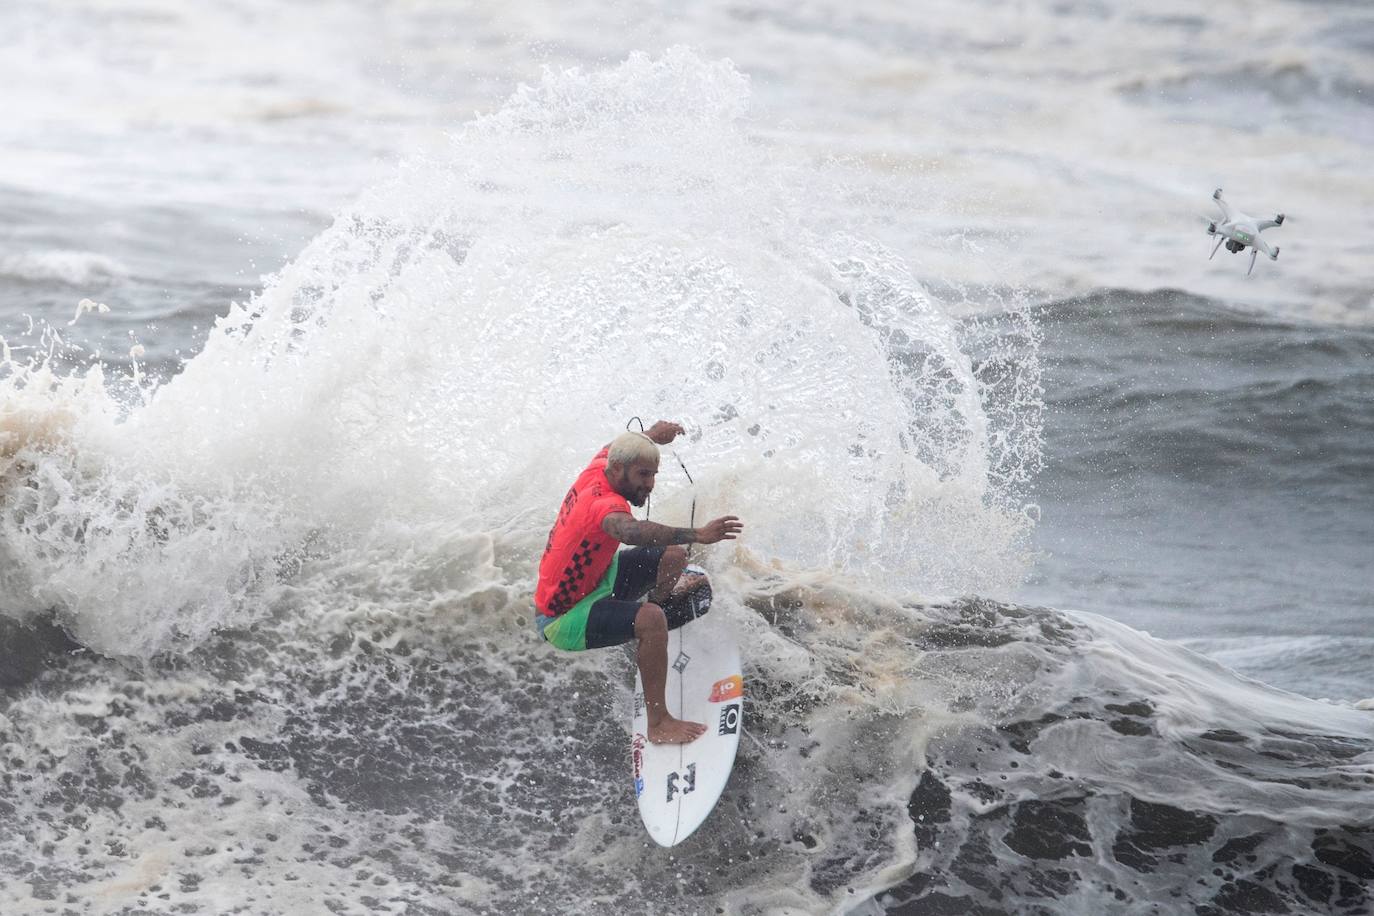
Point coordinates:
[(570, 585)]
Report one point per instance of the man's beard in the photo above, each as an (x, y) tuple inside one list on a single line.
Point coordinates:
[(638, 499)]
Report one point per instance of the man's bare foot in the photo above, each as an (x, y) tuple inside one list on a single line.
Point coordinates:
[(674, 731)]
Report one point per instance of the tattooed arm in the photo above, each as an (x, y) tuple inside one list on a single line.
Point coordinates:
[(627, 529)]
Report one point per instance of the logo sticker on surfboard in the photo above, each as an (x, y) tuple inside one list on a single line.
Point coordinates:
[(729, 688), (681, 662), (729, 720), (637, 751), (683, 783)]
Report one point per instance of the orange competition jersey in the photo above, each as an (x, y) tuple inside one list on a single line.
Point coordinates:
[(579, 552)]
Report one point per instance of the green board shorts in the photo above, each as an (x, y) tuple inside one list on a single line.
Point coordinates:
[(606, 616)]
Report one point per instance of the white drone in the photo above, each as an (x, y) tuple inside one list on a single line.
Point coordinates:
[(1238, 230)]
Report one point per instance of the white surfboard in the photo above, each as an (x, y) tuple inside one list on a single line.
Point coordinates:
[(678, 784)]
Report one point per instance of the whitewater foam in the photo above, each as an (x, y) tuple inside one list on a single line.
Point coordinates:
[(607, 245)]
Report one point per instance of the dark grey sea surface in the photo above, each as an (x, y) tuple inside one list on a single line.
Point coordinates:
[(1210, 478)]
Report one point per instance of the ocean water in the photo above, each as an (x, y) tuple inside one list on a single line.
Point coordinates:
[(1055, 581)]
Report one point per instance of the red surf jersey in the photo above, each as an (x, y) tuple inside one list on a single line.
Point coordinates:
[(579, 552)]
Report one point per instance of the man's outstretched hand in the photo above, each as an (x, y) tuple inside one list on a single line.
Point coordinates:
[(724, 528), (664, 431)]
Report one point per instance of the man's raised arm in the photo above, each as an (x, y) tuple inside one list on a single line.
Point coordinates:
[(627, 529)]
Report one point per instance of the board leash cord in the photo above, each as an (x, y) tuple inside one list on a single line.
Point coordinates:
[(692, 484)]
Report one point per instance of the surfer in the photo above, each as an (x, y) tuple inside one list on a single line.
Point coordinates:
[(592, 595)]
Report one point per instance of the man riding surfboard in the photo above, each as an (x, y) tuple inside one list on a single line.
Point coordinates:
[(592, 595)]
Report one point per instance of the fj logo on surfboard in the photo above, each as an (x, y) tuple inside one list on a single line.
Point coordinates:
[(681, 662), (729, 688), (689, 782), (729, 720)]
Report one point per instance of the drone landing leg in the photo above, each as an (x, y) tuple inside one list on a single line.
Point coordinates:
[(1254, 253), (1220, 238)]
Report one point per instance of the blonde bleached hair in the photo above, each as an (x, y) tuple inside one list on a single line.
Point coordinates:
[(629, 447)]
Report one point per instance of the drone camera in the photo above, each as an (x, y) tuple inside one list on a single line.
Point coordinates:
[(1234, 247)]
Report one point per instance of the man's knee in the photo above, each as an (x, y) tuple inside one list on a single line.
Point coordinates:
[(651, 622), (673, 562)]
